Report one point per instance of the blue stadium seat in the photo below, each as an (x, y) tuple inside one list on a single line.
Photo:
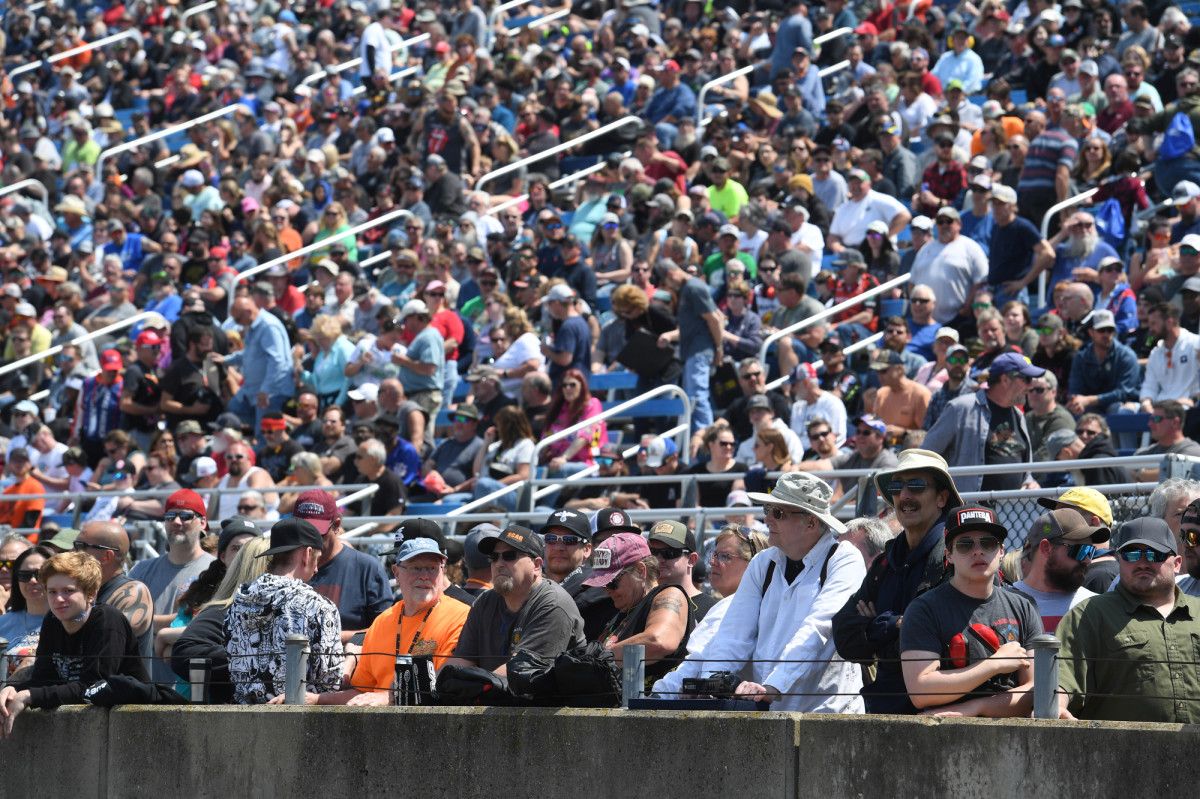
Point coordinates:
[(655, 407), (612, 380), (978, 99), (61, 519), (430, 508), (1018, 96)]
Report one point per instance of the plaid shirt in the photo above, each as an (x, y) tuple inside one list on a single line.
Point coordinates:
[(944, 185)]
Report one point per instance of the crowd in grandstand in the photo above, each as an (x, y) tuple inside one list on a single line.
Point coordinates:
[(401, 244)]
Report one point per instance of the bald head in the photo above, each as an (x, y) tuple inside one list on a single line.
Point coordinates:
[(106, 534)]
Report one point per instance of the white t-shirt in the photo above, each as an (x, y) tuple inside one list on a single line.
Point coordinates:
[(518, 453), (375, 36), (525, 347), (917, 115), (829, 408), (810, 236), (752, 245), (745, 450), (952, 271), (851, 219), (381, 367), (1052, 607), (50, 463)]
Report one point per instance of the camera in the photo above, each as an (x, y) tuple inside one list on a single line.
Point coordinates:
[(719, 684)]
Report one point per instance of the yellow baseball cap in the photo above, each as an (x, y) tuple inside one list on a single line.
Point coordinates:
[(1088, 500)]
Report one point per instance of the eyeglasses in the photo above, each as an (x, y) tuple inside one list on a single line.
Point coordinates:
[(570, 384), (1039, 390), (1149, 555), (945, 222), (182, 515), (728, 444), (497, 339), (1079, 552), (1190, 537), (508, 556), (435, 294), (459, 417), (915, 486), (1159, 418), (7, 564), (554, 226), (979, 306), (822, 434), (247, 508), (1085, 433), (428, 571), (768, 269), (751, 375), (604, 460), (724, 557), (957, 359), (565, 540), (235, 457), (965, 545), (668, 553), (26, 575), (83, 546)]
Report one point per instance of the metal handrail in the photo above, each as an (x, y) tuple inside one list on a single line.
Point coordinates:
[(574, 177), (541, 20), (818, 363), (829, 70), (358, 91), (717, 82), (28, 183), (616, 410), (57, 348), (494, 17), (1054, 209), (513, 167), (587, 474), (161, 134), (829, 313), (194, 10), (74, 51), (826, 37), (323, 243), (374, 259), (150, 492), (361, 493)]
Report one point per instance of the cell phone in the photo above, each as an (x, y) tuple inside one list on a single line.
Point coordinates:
[(358, 638)]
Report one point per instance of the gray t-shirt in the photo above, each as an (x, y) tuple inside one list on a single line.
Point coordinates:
[(455, 460), (548, 624), (885, 459), (167, 582), (1185, 447), (694, 300)]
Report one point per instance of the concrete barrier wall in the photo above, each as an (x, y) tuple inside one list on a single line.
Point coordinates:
[(472, 752)]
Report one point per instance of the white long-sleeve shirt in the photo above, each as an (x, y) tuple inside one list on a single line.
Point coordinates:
[(1182, 378), (791, 623)]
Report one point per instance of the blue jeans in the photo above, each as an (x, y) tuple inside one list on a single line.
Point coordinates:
[(568, 469), (666, 134), (246, 407), (696, 373), (487, 485), (449, 383), (1002, 298)]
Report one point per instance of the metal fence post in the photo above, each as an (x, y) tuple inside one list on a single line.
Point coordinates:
[(633, 673), (297, 667), (3, 662), (199, 674), (1045, 676)]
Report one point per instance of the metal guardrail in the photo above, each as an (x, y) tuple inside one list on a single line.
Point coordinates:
[(829, 313), (194, 10), (494, 17), (1046, 218), (616, 411), (513, 167), (28, 183), (74, 51), (828, 37), (540, 20), (161, 134), (717, 82), (57, 348), (833, 68), (359, 91), (818, 363), (574, 177)]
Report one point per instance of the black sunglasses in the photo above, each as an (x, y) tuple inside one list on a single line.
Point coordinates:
[(915, 486), (668, 553), (508, 556), (81, 546), (566, 540)]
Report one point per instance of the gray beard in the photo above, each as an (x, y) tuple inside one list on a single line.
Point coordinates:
[(1082, 246)]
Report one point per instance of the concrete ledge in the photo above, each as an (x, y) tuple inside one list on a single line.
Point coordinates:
[(223, 753)]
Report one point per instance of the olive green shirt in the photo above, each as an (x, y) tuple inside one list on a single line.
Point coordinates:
[(1122, 661)]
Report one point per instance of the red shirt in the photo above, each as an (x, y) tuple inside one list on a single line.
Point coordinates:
[(843, 290), (679, 177), (944, 185)]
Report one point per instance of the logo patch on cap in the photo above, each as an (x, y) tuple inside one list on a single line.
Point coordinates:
[(602, 558), (515, 536), (563, 515), (615, 519), (663, 527), (975, 514), (309, 509)]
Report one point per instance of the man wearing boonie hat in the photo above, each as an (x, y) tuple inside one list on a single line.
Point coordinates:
[(426, 622), (971, 622), (862, 207), (1059, 548), (988, 427), (867, 628), (792, 590), (277, 604), (1122, 658), (523, 611)]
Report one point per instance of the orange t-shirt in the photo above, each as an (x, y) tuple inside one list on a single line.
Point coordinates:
[(12, 512), (376, 669), (290, 238), (1012, 127)]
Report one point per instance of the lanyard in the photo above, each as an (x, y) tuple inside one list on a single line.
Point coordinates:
[(416, 635)]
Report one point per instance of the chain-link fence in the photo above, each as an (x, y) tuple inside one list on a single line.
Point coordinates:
[(1018, 514)]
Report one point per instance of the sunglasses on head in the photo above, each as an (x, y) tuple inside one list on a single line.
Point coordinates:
[(965, 545), (508, 556), (1149, 555)]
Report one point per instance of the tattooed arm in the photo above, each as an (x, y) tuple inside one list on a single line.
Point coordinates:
[(665, 626), (133, 599)]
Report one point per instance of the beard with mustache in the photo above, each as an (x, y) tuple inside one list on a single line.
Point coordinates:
[(504, 584), (1082, 246)]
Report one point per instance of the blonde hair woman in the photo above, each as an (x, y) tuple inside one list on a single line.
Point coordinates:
[(332, 226)]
